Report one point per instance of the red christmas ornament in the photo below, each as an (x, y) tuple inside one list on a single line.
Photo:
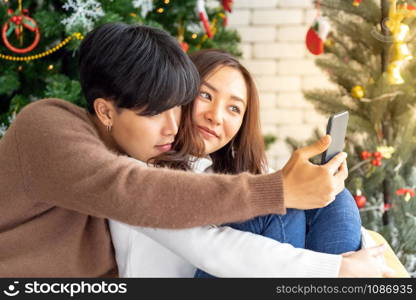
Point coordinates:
[(356, 3), (360, 200), (406, 6), (378, 155), (227, 4), (366, 155), (316, 35), (184, 46), (200, 5), (17, 23), (376, 162), (403, 191)]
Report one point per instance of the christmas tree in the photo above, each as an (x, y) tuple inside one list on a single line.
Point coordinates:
[(40, 38), (368, 56)]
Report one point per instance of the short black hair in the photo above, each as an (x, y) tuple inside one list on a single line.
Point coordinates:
[(136, 67)]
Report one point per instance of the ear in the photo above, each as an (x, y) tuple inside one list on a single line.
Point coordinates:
[(105, 111)]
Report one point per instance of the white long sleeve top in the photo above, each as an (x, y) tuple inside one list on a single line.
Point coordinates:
[(220, 251)]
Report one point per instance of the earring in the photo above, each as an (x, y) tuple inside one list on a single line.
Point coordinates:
[(109, 126)]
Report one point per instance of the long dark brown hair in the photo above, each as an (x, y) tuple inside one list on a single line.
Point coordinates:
[(245, 152)]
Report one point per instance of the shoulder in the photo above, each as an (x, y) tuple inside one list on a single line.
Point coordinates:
[(50, 107), (52, 123), (49, 115)]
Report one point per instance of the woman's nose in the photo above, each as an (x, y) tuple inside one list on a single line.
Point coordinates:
[(214, 115)]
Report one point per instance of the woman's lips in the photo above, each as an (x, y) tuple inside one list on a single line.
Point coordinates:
[(164, 148), (207, 133)]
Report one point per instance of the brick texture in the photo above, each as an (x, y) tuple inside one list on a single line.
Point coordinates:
[(273, 46)]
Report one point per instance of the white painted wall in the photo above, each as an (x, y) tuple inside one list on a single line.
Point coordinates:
[(273, 44)]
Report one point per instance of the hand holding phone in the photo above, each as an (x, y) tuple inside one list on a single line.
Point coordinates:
[(337, 129)]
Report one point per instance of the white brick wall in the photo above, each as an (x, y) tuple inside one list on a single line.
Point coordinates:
[(277, 17), (273, 45), (257, 33)]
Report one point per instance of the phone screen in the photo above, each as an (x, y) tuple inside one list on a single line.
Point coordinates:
[(337, 129)]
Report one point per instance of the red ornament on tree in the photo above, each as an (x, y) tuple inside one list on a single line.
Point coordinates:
[(316, 35), (227, 4), (378, 155), (184, 46), (200, 5), (360, 200), (407, 193), (17, 22), (376, 162), (356, 3), (366, 155)]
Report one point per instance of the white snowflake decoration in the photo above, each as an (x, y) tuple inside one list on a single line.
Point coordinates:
[(86, 12), (3, 126), (144, 5), (194, 27), (3, 129)]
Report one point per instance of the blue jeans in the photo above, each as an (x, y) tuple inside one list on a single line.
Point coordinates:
[(333, 229)]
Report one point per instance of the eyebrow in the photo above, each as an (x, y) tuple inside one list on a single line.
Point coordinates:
[(216, 90)]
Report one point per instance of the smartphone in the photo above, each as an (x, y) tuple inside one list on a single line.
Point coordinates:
[(337, 129)]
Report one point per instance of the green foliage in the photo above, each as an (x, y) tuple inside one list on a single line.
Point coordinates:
[(269, 139), (9, 82), (384, 117), (60, 86), (57, 75)]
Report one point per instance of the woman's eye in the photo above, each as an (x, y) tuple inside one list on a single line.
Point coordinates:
[(235, 109), (205, 95)]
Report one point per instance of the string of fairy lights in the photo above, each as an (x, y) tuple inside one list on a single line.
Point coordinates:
[(76, 35)]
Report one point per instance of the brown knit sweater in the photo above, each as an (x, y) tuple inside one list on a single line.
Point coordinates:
[(58, 183)]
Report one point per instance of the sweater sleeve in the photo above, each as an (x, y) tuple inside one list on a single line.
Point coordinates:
[(64, 163), (226, 252)]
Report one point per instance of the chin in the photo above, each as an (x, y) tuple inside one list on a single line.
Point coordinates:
[(210, 150)]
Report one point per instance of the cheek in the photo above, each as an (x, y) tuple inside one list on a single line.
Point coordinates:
[(142, 133), (232, 127), (178, 114), (197, 112)]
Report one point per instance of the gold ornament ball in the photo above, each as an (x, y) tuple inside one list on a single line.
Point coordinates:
[(329, 43), (357, 92)]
